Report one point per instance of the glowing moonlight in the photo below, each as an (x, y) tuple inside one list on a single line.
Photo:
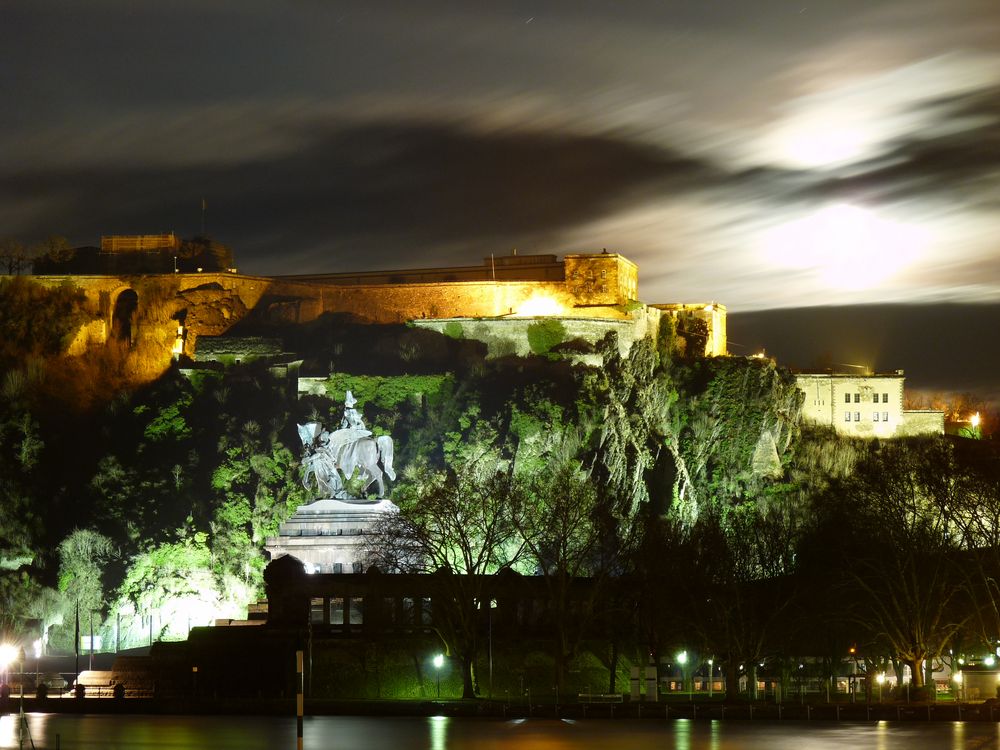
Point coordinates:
[(846, 246)]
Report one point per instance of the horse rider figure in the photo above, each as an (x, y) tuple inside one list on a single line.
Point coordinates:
[(333, 457)]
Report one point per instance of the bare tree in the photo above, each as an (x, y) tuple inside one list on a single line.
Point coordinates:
[(901, 552), (564, 529), (15, 257), (457, 525), (735, 584)]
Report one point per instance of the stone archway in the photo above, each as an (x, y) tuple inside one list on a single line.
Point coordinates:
[(123, 317)]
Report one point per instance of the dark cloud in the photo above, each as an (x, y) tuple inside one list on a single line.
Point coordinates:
[(400, 190)]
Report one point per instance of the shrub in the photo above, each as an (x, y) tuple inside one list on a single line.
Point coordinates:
[(545, 334)]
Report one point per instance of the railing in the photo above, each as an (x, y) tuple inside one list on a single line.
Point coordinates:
[(600, 698)]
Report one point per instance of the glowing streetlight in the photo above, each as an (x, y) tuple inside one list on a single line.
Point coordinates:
[(8, 655), (438, 663), (682, 659), (976, 419)]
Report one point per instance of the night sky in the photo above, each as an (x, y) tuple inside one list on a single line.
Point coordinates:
[(761, 153)]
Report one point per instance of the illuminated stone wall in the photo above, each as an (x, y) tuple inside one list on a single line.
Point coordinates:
[(714, 316), (509, 336), (208, 304), (395, 303), (604, 279), (922, 422), (595, 293)]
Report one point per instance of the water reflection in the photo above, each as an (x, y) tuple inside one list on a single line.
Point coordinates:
[(439, 732), (682, 734), (88, 732)]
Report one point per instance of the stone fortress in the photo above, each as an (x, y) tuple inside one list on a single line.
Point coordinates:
[(186, 314), (591, 293)]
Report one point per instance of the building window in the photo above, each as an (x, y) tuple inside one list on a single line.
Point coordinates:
[(847, 416), (847, 398), (336, 610), (875, 417), (885, 416), (316, 610), (857, 398), (857, 416), (357, 610), (885, 398)]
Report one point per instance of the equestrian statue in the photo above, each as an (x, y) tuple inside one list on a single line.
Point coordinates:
[(332, 458)]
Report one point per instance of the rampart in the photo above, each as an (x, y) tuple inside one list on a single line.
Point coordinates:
[(496, 302)]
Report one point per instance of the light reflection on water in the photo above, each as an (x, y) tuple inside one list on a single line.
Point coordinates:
[(90, 732)]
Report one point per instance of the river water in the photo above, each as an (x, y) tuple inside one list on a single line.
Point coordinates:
[(88, 732)]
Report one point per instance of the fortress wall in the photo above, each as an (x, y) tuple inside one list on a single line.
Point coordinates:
[(921, 422), (209, 304), (507, 336), (395, 303)]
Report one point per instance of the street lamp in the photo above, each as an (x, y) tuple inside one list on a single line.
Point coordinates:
[(8, 655), (36, 647), (711, 676), (682, 659), (438, 663)]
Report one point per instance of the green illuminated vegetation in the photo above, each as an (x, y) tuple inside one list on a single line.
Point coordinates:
[(706, 518), (545, 334)]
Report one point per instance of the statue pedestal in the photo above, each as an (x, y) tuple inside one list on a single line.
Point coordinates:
[(328, 535)]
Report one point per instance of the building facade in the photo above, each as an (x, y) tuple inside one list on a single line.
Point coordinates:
[(864, 405)]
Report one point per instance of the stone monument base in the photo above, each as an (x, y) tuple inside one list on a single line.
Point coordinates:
[(328, 535)]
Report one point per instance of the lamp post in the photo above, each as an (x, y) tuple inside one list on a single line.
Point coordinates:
[(682, 658), (438, 663), (20, 660), (711, 676), (37, 649)]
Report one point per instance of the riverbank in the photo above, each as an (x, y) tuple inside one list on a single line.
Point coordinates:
[(696, 710)]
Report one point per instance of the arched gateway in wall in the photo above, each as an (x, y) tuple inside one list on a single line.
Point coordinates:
[(123, 316)]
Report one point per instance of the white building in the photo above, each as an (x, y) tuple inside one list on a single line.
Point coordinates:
[(864, 405)]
